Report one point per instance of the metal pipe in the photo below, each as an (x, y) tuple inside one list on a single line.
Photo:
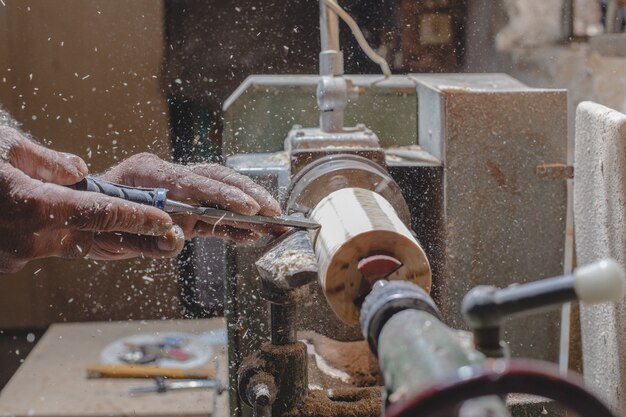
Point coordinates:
[(332, 91), (329, 29), (332, 99), (331, 58), (434, 351), (283, 323), (599, 282), (612, 18), (487, 306), (568, 20), (415, 350)]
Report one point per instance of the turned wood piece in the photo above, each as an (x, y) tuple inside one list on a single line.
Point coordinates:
[(356, 224)]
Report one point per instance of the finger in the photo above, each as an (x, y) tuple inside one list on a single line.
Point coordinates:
[(183, 185), (186, 222), (20, 247), (88, 211), (268, 205), (73, 244), (42, 163), (49, 206), (196, 189), (111, 246), (226, 232)]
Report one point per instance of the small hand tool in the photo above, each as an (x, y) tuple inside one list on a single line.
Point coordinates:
[(161, 386), (147, 371), (157, 197)]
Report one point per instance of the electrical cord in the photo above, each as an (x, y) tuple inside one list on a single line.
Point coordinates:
[(358, 35)]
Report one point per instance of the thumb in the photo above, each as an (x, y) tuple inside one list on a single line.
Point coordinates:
[(42, 163)]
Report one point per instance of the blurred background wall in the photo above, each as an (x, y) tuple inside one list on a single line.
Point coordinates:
[(84, 76)]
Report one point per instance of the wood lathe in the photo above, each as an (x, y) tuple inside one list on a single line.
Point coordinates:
[(442, 182)]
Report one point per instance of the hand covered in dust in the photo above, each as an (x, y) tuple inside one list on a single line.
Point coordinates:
[(201, 184), (41, 218)]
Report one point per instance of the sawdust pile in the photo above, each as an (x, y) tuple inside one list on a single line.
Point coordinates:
[(353, 358), (355, 402)]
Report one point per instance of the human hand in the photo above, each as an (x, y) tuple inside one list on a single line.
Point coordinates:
[(201, 184), (41, 218)]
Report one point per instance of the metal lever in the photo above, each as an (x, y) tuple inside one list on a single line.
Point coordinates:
[(485, 307)]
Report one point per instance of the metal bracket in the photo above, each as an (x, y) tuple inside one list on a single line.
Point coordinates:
[(555, 171)]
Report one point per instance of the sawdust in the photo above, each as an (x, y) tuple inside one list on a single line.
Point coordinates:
[(291, 260), (356, 402), (287, 366), (351, 358)]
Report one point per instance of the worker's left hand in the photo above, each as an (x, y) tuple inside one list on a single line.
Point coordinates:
[(201, 184), (42, 218)]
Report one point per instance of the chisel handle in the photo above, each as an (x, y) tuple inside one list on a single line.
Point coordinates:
[(149, 196)]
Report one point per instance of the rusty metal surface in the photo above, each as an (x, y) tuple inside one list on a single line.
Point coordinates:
[(286, 365)]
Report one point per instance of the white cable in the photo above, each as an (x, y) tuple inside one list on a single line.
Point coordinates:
[(358, 35)]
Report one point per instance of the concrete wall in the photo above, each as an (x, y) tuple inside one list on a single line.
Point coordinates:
[(521, 38), (85, 77), (600, 216)]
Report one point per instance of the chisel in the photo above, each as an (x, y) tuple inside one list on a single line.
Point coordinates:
[(157, 197)]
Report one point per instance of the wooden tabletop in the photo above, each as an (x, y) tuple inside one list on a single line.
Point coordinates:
[(52, 381)]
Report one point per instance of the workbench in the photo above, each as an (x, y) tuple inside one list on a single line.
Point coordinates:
[(53, 382)]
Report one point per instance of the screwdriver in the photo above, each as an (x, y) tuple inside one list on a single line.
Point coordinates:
[(161, 386), (157, 197)]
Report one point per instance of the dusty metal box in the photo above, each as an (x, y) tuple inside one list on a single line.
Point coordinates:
[(504, 222)]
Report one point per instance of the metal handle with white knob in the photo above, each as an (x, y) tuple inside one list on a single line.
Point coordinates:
[(600, 282), (485, 307)]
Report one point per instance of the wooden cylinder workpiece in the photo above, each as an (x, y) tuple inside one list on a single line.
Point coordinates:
[(358, 223)]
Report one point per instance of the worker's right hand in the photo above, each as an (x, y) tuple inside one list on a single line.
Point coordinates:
[(201, 185), (41, 218)]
